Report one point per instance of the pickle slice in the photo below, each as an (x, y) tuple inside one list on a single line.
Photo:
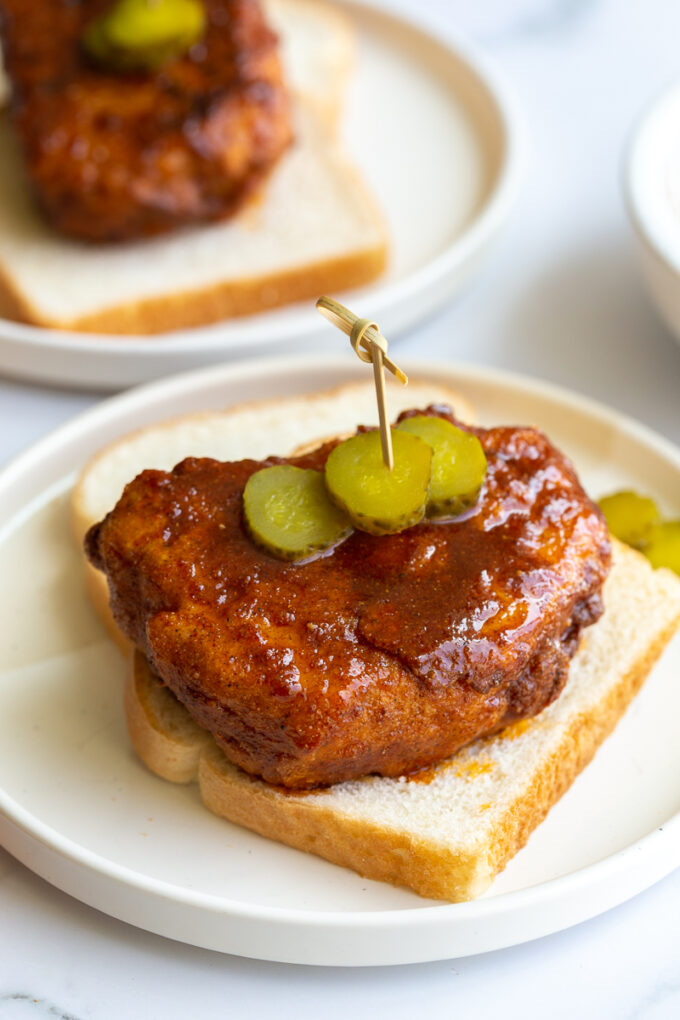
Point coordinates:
[(378, 500), (662, 545), (144, 34), (629, 516), (289, 513), (458, 464)]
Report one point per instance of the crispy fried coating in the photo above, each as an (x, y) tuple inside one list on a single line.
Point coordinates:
[(117, 156)]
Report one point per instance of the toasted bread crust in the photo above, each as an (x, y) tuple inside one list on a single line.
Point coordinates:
[(98, 593), (168, 740), (226, 300), (374, 852), (577, 749)]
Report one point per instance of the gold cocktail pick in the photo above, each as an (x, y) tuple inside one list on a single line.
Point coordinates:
[(369, 345)]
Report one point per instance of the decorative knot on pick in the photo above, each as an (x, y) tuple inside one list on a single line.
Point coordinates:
[(369, 345), (363, 347)]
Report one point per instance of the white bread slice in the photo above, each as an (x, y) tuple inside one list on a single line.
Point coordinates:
[(314, 227), (254, 430), (448, 834), (318, 49), (157, 722)]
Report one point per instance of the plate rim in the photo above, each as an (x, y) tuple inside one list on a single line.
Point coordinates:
[(158, 396), (482, 228), (408, 916)]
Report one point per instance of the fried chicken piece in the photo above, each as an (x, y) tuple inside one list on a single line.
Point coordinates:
[(118, 156), (384, 656)]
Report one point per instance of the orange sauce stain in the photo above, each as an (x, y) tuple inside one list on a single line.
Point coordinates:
[(470, 769), (516, 729), (463, 770)]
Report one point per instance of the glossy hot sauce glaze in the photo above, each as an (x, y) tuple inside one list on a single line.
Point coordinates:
[(116, 156), (385, 655)]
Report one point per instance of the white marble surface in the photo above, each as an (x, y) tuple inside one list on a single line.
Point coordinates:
[(561, 299)]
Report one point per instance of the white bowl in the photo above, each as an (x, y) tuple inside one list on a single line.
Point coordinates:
[(651, 183)]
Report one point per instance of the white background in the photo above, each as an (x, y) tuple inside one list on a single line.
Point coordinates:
[(561, 299)]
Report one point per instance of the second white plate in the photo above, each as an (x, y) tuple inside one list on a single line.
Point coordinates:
[(77, 807), (434, 131)]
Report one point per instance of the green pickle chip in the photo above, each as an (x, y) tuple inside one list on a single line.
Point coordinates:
[(629, 516), (378, 500), (289, 513), (144, 34), (662, 545), (458, 464)]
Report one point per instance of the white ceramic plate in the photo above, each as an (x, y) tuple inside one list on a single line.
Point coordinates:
[(79, 809), (651, 182), (446, 192)]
